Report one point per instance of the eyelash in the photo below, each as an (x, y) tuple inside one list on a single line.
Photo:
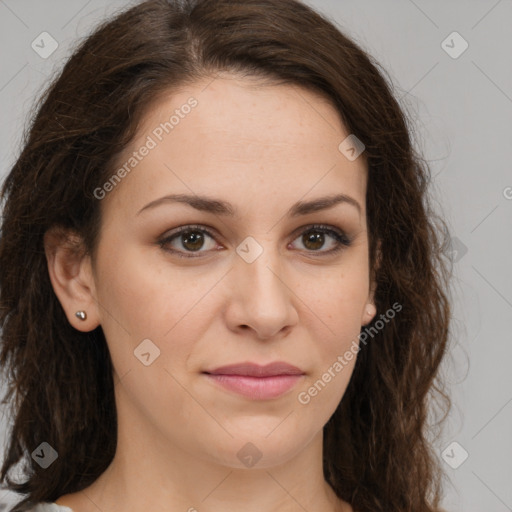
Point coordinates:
[(343, 240)]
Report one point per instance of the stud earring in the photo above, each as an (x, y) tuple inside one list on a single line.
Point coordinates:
[(81, 314)]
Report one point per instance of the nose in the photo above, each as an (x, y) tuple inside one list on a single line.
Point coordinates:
[(262, 298)]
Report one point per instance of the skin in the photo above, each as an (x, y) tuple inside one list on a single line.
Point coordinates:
[(261, 148)]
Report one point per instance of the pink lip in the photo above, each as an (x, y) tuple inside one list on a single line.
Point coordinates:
[(257, 382), (255, 370)]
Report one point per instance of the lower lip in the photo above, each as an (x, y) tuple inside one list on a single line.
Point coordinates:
[(257, 388)]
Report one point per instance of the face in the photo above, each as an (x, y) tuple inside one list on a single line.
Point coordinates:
[(241, 270)]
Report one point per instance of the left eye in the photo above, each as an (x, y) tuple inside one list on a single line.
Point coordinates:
[(192, 239), (315, 236)]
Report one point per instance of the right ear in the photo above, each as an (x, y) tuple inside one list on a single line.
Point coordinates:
[(71, 276)]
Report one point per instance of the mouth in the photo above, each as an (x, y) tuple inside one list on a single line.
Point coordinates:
[(256, 388), (257, 382)]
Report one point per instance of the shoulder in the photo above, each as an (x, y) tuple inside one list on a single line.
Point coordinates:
[(49, 507)]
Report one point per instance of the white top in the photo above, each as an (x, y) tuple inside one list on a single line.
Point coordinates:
[(50, 507)]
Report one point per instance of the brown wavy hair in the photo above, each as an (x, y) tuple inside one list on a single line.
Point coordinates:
[(60, 384)]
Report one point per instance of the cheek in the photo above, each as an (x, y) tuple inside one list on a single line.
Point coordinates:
[(335, 358), (339, 300), (339, 304), (138, 294), (141, 301)]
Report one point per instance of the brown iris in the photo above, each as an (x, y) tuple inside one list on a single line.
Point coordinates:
[(193, 240), (313, 238)]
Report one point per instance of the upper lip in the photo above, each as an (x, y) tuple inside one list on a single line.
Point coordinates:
[(255, 370)]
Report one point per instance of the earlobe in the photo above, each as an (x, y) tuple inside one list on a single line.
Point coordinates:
[(369, 313), (71, 276), (370, 308)]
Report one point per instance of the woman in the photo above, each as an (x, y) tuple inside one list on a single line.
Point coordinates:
[(222, 284)]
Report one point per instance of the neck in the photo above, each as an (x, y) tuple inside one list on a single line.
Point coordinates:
[(150, 472)]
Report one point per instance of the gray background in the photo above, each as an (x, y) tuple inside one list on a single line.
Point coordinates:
[(462, 110)]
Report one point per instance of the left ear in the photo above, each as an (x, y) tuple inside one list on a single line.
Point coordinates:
[(370, 309)]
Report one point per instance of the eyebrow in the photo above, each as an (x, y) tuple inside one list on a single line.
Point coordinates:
[(220, 207)]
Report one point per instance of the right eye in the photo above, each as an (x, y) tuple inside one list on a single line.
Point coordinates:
[(190, 239)]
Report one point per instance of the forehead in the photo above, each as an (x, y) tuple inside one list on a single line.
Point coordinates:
[(238, 137)]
